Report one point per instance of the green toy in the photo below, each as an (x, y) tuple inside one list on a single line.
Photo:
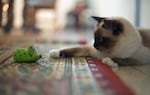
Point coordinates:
[(26, 55)]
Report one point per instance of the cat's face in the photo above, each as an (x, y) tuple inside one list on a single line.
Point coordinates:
[(107, 33)]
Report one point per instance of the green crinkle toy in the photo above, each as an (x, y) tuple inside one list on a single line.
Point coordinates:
[(26, 55)]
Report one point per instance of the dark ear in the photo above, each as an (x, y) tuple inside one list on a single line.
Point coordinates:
[(118, 27), (115, 26), (98, 19)]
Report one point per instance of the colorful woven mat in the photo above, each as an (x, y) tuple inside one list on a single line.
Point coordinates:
[(62, 76)]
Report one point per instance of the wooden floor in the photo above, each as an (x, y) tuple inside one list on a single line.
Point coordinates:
[(136, 77)]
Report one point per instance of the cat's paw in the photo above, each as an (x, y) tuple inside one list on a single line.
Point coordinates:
[(54, 53), (109, 62)]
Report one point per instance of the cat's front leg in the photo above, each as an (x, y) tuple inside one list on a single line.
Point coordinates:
[(81, 51)]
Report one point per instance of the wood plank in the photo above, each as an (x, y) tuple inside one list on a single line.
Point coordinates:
[(136, 77), (145, 69)]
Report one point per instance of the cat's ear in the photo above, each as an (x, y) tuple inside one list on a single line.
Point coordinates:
[(98, 19)]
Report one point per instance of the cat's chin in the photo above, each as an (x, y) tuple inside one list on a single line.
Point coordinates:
[(100, 49)]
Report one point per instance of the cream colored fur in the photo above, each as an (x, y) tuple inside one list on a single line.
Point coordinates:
[(129, 45)]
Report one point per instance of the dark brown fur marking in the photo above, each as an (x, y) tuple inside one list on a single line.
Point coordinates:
[(114, 29), (113, 25)]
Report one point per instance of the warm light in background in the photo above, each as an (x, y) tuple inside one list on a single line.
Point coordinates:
[(5, 7), (123, 8)]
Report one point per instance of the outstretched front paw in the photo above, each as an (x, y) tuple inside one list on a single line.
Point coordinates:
[(54, 53), (109, 62)]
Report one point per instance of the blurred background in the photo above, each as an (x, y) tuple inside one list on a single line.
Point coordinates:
[(52, 24), (49, 16)]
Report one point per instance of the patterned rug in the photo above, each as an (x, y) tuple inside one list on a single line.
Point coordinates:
[(61, 76)]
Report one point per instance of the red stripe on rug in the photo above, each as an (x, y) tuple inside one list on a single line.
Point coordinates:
[(114, 80)]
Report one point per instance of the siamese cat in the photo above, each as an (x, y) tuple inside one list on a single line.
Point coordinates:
[(114, 37)]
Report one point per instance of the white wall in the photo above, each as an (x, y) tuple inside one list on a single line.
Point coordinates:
[(124, 8), (145, 14), (108, 8)]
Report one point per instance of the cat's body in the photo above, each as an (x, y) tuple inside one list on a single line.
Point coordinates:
[(113, 38)]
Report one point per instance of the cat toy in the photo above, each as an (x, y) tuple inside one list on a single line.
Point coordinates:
[(26, 55)]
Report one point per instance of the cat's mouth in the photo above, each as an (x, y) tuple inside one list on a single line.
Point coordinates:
[(100, 48), (103, 43)]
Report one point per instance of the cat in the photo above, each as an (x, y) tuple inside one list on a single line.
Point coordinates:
[(114, 37)]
